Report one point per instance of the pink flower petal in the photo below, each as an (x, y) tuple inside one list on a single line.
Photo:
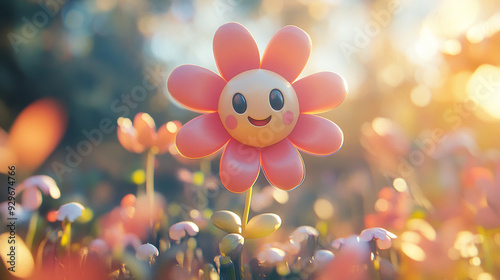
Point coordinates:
[(145, 129), (46, 184), (201, 136), (316, 135), (235, 50), (283, 165), (179, 230), (196, 87), (382, 236), (31, 198), (287, 52), (239, 166), (320, 92), (146, 251)]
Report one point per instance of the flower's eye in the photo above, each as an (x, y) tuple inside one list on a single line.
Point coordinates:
[(276, 99), (239, 103)]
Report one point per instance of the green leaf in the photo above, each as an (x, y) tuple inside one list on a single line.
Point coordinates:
[(227, 221), (262, 225)]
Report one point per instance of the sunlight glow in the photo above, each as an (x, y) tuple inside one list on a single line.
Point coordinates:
[(423, 227), (400, 185), (413, 251), (323, 208), (483, 88)]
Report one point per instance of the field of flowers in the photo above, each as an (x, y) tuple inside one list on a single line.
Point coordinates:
[(131, 145)]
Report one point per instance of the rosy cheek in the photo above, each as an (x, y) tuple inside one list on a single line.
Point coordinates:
[(231, 122), (288, 118)]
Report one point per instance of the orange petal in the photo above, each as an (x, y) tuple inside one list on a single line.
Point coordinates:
[(283, 165), (201, 136), (166, 135), (196, 87), (320, 92), (145, 129), (126, 136), (36, 132), (316, 135), (287, 52), (235, 50), (239, 166)]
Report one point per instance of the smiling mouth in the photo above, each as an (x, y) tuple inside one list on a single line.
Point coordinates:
[(259, 122)]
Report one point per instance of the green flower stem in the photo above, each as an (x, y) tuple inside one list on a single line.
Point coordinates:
[(247, 209), (150, 171), (30, 236)]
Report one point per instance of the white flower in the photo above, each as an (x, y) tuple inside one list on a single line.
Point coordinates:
[(179, 230), (323, 257), (271, 256), (302, 233), (382, 237), (70, 211), (99, 247), (31, 187), (146, 252)]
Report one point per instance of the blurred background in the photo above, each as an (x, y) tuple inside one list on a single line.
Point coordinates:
[(421, 120)]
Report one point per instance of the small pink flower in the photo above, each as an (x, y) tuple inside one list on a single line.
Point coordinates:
[(31, 187), (179, 230), (142, 134), (257, 108), (99, 247), (302, 233), (271, 256), (382, 236), (146, 252), (322, 258), (350, 261)]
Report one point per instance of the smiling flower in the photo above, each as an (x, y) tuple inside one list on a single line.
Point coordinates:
[(257, 108)]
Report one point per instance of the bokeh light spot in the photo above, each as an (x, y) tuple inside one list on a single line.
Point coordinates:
[(423, 227), (381, 205), (87, 215), (485, 276), (413, 251), (451, 47), (400, 185), (172, 127), (198, 178), (421, 96), (483, 89), (174, 209), (139, 177), (323, 208), (280, 196)]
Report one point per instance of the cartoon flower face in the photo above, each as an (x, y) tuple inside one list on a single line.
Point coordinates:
[(257, 109)]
